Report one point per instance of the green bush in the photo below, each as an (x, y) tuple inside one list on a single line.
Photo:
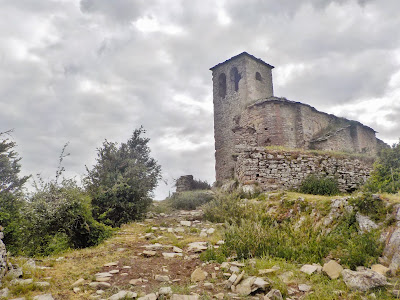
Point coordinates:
[(352, 247), (58, 217), (198, 184), (120, 204), (190, 200), (372, 206), (385, 176), (319, 185)]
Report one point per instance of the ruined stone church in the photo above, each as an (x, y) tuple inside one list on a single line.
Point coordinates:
[(248, 118)]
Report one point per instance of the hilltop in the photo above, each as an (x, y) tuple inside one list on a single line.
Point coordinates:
[(179, 254)]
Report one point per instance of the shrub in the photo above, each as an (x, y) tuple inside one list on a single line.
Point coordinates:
[(198, 184), (319, 185), (352, 247), (190, 200), (372, 206), (385, 176), (59, 217), (122, 180)]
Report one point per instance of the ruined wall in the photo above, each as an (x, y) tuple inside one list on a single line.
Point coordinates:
[(341, 140), (272, 169), (367, 141), (280, 122), (184, 183), (3, 255)]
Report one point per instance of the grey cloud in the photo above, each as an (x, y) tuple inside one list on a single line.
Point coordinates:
[(92, 75), (117, 10), (342, 80)]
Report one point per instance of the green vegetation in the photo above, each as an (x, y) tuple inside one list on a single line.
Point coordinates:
[(386, 174), (291, 232), (371, 206), (11, 185), (59, 214), (122, 180), (224, 208), (59, 217), (319, 186), (190, 200), (198, 184)]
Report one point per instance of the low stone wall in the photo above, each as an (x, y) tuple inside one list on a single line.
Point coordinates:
[(3, 255), (275, 169)]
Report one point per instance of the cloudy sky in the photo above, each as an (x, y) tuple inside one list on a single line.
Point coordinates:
[(87, 70)]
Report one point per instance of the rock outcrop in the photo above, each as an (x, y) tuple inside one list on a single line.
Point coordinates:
[(3, 255), (363, 280)]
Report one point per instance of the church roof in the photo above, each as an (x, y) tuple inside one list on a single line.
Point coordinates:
[(243, 54)]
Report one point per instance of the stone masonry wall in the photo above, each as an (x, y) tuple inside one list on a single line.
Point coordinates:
[(280, 122), (273, 169), (184, 183), (3, 255)]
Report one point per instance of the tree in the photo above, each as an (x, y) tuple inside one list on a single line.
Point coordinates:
[(122, 180), (11, 185), (385, 176), (10, 182)]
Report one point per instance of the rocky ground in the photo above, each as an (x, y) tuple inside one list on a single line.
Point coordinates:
[(160, 258)]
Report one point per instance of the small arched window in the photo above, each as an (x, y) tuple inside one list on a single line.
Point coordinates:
[(222, 85), (235, 77), (258, 76)]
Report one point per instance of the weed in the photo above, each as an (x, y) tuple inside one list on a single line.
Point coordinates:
[(212, 254), (306, 243)]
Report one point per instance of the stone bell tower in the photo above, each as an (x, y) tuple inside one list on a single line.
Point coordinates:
[(237, 83)]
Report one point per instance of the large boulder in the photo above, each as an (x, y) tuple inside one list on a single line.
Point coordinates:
[(365, 223), (363, 280), (391, 253)]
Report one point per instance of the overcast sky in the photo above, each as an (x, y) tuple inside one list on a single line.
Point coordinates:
[(87, 70)]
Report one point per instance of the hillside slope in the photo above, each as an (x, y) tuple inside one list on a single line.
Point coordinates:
[(180, 253)]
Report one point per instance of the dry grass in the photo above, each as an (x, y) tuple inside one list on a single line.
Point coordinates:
[(84, 263)]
